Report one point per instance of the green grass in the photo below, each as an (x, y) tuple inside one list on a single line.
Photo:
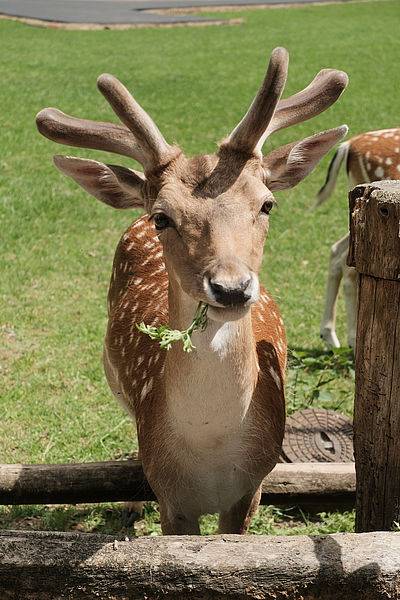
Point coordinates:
[(57, 243), (109, 519)]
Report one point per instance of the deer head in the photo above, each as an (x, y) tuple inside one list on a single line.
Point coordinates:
[(211, 211)]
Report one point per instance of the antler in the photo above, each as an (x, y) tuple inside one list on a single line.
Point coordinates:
[(320, 94), (64, 129), (268, 113), (141, 139), (248, 132), (155, 149)]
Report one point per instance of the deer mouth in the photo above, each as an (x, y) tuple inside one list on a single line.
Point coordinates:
[(223, 314)]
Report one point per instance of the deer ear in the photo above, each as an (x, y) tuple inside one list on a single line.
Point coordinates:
[(118, 187), (290, 164)]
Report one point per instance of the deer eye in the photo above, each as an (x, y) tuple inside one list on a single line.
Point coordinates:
[(161, 221), (267, 207)]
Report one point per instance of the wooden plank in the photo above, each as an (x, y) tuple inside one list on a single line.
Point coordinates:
[(314, 487), (48, 565), (375, 252), (125, 480)]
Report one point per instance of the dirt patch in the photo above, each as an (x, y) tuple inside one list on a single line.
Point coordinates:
[(11, 347)]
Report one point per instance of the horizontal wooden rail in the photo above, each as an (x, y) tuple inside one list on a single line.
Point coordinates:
[(319, 484), (48, 565)]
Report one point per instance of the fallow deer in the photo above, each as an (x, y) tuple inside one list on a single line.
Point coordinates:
[(209, 423), (369, 157)]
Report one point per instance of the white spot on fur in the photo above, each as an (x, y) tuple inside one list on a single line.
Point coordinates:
[(398, 167), (379, 172), (147, 260), (222, 337), (160, 269), (275, 377), (147, 387)]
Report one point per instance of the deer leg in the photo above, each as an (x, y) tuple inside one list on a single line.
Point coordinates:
[(238, 518), (350, 281), (175, 523), (132, 511), (335, 272)]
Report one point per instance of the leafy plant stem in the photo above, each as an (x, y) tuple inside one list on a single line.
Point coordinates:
[(166, 336)]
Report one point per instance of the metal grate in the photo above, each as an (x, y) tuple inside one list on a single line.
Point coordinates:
[(318, 435)]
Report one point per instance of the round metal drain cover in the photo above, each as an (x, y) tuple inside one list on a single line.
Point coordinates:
[(318, 435)]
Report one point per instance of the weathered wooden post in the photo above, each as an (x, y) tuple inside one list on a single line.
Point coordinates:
[(375, 253)]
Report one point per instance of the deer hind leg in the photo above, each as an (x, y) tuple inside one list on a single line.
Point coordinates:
[(335, 272), (238, 518), (350, 289)]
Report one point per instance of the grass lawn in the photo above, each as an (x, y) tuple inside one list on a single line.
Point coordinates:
[(57, 243)]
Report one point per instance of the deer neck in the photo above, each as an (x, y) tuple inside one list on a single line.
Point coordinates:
[(209, 390)]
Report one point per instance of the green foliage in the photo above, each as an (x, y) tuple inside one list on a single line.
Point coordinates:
[(313, 378), (167, 336)]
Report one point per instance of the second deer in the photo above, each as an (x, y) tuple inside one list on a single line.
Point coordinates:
[(371, 156)]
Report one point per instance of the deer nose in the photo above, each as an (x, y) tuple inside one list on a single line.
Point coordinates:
[(231, 295)]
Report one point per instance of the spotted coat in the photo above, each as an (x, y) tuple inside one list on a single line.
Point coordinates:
[(134, 364), (374, 156)]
